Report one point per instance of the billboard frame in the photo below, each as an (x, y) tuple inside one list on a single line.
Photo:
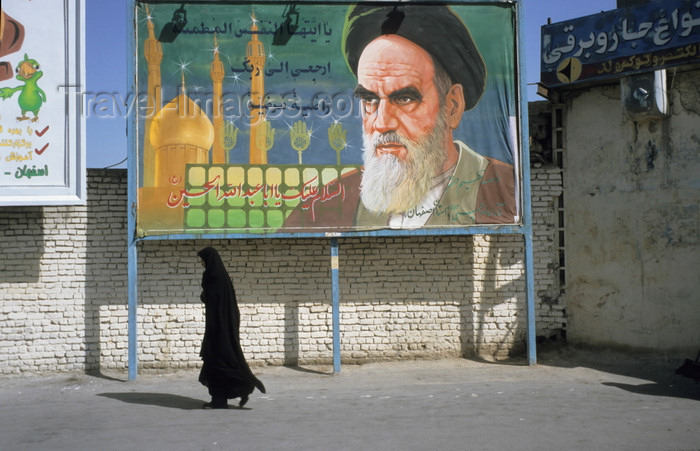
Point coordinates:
[(524, 228)]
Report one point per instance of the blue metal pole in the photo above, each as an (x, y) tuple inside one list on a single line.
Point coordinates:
[(530, 287), (132, 181), (132, 310), (335, 287), (527, 192)]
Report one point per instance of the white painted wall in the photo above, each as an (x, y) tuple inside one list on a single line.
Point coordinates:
[(632, 200), (63, 291)]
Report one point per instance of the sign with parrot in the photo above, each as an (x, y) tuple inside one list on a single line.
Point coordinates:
[(42, 152)]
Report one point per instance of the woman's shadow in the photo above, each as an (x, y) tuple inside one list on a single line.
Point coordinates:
[(161, 400)]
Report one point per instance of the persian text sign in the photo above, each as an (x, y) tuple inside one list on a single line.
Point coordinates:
[(652, 36), (42, 152), (263, 118)]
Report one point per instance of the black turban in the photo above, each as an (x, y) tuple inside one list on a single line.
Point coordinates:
[(434, 27)]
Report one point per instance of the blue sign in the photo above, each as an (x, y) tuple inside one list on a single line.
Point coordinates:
[(623, 41)]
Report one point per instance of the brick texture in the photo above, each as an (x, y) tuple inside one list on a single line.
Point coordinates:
[(63, 291)]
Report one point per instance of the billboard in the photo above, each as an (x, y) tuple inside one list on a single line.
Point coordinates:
[(42, 138), (653, 35), (321, 117)]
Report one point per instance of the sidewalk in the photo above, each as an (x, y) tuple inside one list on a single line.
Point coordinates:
[(577, 400)]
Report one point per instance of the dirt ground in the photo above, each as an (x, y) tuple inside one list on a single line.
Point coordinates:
[(572, 399)]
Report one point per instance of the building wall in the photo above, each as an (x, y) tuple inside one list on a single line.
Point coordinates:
[(63, 291), (632, 220)]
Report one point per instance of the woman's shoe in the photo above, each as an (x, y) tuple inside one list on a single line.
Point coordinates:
[(244, 400)]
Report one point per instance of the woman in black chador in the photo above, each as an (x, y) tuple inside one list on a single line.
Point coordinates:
[(225, 371)]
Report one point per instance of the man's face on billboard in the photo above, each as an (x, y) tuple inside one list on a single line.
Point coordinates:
[(405, 132), (397, 91)]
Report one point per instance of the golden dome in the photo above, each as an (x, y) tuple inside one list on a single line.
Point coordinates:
[(180, 122)]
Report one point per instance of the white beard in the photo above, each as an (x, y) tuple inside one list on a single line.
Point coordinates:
[(390, 185)]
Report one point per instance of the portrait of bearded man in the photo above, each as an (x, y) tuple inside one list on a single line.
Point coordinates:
[(418, 70)]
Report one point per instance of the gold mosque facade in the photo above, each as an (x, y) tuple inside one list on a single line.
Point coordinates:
[(180, 133)]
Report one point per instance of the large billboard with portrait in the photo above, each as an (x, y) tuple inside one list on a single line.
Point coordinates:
[(42, 129), (318, 117)]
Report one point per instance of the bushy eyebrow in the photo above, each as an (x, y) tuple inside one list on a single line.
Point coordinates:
[(365, 94), (408, 91)]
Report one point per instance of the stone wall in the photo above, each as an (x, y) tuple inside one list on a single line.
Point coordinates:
[(63, 291)]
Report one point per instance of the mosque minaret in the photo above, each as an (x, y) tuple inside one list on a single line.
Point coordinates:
[(255, 56), (153, 52), (216, 71)]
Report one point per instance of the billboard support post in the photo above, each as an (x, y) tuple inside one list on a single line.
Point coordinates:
[(335, 284), (526, 228), (132, 178)]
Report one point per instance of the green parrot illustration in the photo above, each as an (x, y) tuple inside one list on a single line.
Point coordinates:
[(31, 96)]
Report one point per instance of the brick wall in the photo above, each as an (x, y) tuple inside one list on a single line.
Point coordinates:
[(550, 308), (63, 291)]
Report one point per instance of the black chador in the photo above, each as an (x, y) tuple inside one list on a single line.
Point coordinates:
[(225, 371)]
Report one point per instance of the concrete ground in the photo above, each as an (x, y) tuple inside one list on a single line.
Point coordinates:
[(571, 400)]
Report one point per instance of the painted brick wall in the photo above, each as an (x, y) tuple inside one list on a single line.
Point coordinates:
[(550, 309), (63, 291)]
